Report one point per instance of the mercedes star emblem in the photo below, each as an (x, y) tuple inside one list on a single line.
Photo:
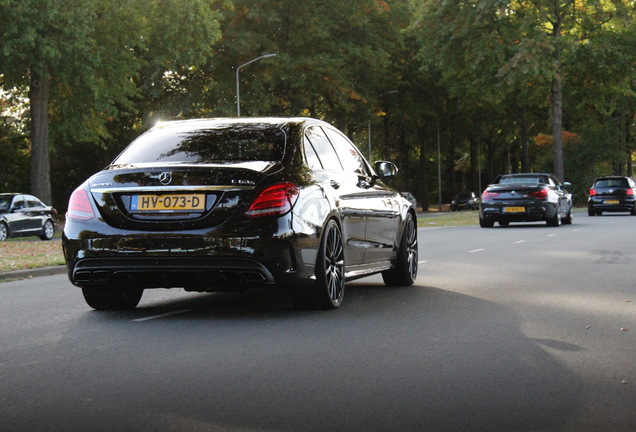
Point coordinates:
[(165, 178)]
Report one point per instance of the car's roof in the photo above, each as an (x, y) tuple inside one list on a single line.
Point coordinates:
[(526, 175), (612, 177), (10, 194), (275, 122)]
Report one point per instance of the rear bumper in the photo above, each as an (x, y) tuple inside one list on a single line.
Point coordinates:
[(532, 212), (622, 206)]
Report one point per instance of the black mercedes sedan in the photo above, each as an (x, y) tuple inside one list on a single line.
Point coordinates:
[(228, 204), (23, 215), (612, 194), (529, 197)]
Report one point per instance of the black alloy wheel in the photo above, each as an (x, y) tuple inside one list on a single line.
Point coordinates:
[(112, 299), (554, 221), (48, 230), (328, 290), (405, 271), (568, 219), (4, 232)]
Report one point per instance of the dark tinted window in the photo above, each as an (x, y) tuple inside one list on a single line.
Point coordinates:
[(223, 143), (325, 151), (351, 159), (5, 203), (18, 203), (612, 183), (33, 202)]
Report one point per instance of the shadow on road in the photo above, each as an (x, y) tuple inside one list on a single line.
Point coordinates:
[(391, 359)]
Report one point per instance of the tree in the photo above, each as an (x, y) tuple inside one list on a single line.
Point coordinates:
[(77, 60)]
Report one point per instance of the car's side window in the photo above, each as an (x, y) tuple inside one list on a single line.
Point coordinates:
[(324, 150), (32, 203), (310, 154), (351, 159), (18, 203)]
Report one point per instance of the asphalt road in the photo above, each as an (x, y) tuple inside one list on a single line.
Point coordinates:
[(523, 328)]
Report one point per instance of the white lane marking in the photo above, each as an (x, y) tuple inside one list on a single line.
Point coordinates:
[(422, 262), (551, 235), (520, 241), (476, 250), (575, 230), (162, 315)]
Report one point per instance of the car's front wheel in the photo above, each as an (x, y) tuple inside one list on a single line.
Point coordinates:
[(48, 230), (112, 299), (405, 271), (568, 219), (328, 290), (4, 231)]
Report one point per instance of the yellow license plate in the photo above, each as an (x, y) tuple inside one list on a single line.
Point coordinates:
[(167, 202), (514, 209), (610, 202)]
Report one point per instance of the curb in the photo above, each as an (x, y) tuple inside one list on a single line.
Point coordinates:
[(31, 273)]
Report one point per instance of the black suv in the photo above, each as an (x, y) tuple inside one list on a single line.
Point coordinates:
[(612, 194)]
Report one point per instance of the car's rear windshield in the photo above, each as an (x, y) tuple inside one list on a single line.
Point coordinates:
[(525, 180), (612, 183), (223, 143)]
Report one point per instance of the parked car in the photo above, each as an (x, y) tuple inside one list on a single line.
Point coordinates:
[(529, 197), (612, 194), (23, 215), (465, 200), (228, 204)]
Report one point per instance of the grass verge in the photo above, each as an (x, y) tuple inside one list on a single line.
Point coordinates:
[(461, 218), (23, 255)]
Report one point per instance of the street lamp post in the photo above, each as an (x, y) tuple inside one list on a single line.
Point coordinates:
[(369, 133), (238, 99)]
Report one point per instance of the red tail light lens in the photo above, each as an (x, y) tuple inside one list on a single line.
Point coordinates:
[(79, 206), (489, 195), (592, 192), (540, 194), (629, 191), (276, 200)]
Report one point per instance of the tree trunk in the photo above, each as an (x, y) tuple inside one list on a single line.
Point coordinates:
[(39, 102), (525, 157), (423, 163), (628, 142), (557, 107)]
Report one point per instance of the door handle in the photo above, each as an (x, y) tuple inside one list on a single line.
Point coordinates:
[(334, 184)]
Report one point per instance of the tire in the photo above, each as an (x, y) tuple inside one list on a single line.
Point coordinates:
[(4, 231), (48, 230), (486, 223), (554, 221), (328, 290), (633, 212), (568, 219), (405, 271), (590, 212), (504, 223), (112, 299)]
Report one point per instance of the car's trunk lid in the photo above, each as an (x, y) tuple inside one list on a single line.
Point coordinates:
[(179, 196)]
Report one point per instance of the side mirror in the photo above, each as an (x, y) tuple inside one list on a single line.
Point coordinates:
[(567, 185), (386, 170)]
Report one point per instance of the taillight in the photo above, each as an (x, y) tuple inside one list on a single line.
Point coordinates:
[(79, 206), (629, 191), (592, 192), (540, 194), (488, 195), (276, 200)]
